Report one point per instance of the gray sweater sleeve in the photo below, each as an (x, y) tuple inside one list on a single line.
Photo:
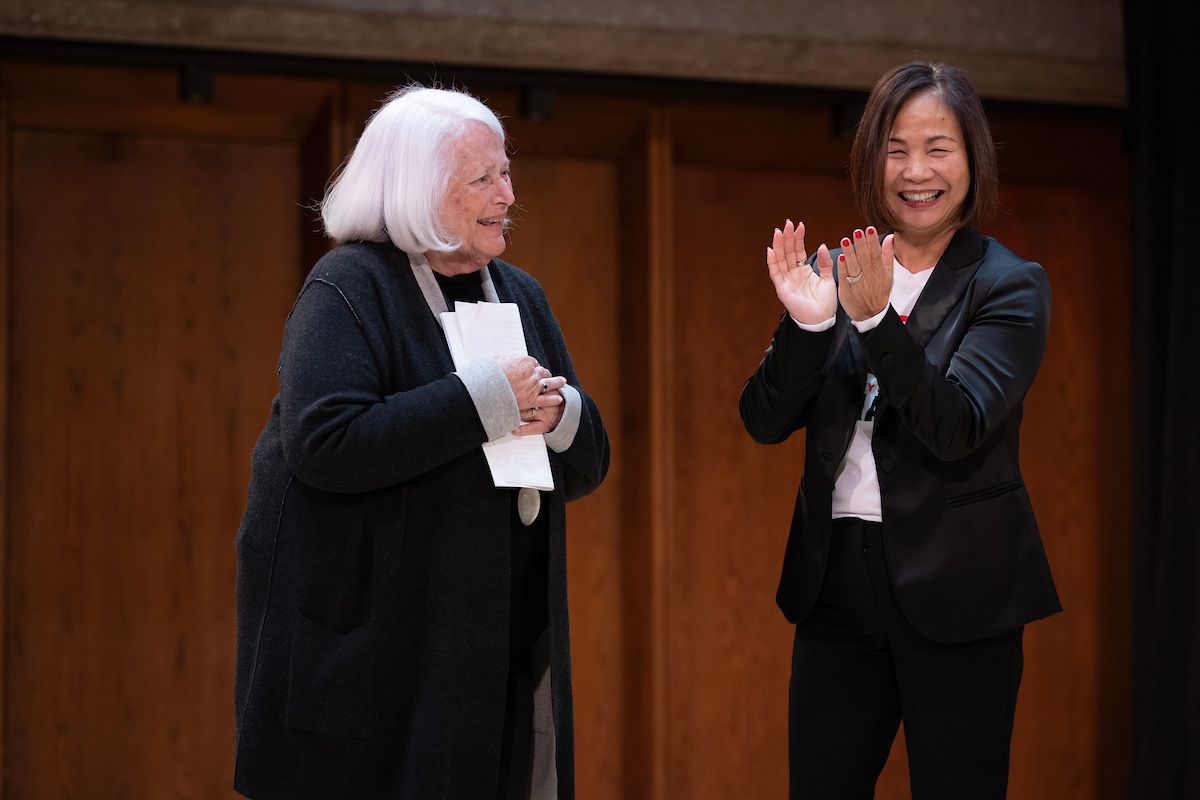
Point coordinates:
[(492, 396), (563, 434)]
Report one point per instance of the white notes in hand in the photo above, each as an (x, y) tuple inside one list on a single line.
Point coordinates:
[(483, 330)]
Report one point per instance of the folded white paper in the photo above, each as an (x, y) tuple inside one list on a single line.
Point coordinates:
[(483, 330)]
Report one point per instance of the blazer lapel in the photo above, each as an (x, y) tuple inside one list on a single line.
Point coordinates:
[(946, 285)]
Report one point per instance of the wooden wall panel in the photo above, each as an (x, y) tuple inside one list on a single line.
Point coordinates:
[(566, 237), (730, 646), (140, 101), (1073, 718), (647, 429), (150, 280), (773, 138)]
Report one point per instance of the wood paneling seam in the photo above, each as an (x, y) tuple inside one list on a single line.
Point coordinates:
[(662, 428), (5, 175)]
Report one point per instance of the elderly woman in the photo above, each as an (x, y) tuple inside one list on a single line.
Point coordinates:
[(402, 625), (914, 560)]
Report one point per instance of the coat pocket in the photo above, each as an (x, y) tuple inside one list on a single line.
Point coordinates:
[(329, 681), (984, 494)]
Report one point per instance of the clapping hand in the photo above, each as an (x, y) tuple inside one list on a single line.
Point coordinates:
[(810, 297), (865, 274)]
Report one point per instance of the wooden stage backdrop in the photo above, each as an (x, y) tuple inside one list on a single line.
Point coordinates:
[(151, 250)]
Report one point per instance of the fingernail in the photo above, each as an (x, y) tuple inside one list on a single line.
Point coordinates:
[(841, 258), (845, 242), (870, 231), (858, 234)]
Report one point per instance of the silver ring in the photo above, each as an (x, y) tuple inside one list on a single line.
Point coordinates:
[(545, 387), (799, 263), (854, 278), (534, 415)]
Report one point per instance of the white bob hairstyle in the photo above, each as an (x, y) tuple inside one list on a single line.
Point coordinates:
[(395, 181)]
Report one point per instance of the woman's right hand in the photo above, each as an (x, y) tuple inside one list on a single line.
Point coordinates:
[(533, 385), (810, 298)]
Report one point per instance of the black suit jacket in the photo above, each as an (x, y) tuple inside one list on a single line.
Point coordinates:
[(963, 549)]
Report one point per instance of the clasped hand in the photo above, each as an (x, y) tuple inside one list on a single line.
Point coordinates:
[(537, 393), (864, 270)]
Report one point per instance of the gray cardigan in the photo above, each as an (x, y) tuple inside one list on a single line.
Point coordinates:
[(373, 556)]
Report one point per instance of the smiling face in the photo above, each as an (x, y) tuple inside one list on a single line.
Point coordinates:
[(477, 201), (927, 173)]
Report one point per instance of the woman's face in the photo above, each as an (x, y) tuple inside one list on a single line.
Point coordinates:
[(479, 195), (927, 173)]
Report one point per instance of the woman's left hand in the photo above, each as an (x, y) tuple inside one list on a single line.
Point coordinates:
[(541, 419), (865, 274)]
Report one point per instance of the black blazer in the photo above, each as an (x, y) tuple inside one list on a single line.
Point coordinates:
[(963, 549)]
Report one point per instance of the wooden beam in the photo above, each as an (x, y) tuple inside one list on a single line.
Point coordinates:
[(647, 431), (1015, 73)]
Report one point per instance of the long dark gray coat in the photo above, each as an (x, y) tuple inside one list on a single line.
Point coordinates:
[(373, 557)]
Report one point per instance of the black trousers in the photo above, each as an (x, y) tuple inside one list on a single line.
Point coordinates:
[(859, 667)]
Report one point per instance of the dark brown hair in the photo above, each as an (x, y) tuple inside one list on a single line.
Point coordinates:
[(869, 154)]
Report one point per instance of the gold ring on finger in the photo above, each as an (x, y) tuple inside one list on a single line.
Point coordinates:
[(854, 278)]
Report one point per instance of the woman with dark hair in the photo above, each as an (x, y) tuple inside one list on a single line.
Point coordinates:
[(914, 560), (402, 619)]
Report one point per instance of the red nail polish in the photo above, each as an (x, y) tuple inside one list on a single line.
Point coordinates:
[(845, 242), (858, 234), (841, 258), (870, 231)]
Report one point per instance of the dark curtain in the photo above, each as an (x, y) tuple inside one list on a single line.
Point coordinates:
[(1163, 55)]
